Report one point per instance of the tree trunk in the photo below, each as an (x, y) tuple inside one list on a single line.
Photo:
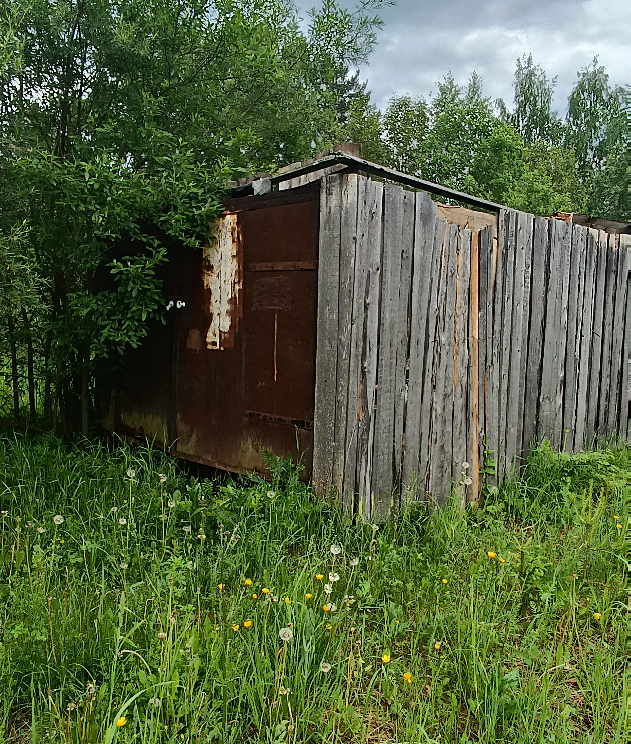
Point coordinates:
[(48, 378), (14, 370), (85, 402), (30, 368)]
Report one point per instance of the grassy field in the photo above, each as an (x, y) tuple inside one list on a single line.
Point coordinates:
[(140, 604)]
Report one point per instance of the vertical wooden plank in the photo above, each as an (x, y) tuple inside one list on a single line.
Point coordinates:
[(326, 335), (442, 414), (461, 358), (574, 319), (539, 281), (430, 364), (608, 311), (369, 240), (421, 276), (402, 333), (348, 239), (494, 347), (555, 335), (475, 415), (519, 339), (617, 341), (600, 246), (383, 454), (357, 326), (625, 247), (587, 317), (508, 237)]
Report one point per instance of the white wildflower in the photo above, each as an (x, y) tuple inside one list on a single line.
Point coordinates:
[(58, 519), (335, 550), (328, 588), (190, 565), (332, 607), (162, 478), (122, 521), (334, 577), (41, 530), (467, 481), (154, 702), (170, 504), (271, 495), (201, 536), (284, 691), (124, 566), (285, 634), (114, 509), (187, 528)]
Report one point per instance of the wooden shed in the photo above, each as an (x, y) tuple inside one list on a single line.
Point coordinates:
[(392, 343)]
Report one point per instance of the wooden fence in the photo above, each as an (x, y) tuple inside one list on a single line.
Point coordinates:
[(440, 346)]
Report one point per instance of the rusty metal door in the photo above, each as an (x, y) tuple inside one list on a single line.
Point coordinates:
[(244, 361)]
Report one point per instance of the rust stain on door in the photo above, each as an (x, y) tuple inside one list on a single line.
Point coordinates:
[(223, 276)]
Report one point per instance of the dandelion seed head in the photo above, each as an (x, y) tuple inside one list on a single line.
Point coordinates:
[(124, 566), (122, 521), (114, 509), (467, 481), (324, 667), (335, 549), (162, 636), (334, 577), (465, 465), (354, 562), (131, 473), (285, 634), (41, 530), (271, 495), (170, 504), (187, 528), (162, 477), (58, 519)]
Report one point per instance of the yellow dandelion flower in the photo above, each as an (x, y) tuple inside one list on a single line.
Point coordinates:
[(287, 600), (502, 560), (444, 581), (329, 626), (385, 658), (325, 608), (437, 646), (248, 582), (235, 628), (220, 586), (619, 526), (121, 722), (308, 596), (255, 596), (61, 542), (265, 591), (616, 517), (247, 624), (408, 678), (491, 554), (319, 577), (597, 615)]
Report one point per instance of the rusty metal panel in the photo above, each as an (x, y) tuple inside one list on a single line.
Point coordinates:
[(244, 360)]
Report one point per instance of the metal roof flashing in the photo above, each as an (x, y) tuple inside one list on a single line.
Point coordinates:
[(354, 164)]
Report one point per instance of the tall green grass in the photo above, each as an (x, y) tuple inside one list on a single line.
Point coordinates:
[(159, 603)]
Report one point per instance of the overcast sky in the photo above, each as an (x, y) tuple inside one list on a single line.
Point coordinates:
[(422, 40)]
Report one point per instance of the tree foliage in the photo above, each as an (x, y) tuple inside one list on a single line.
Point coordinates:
[(118, 117)]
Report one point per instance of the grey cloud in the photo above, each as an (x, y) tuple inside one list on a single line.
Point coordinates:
[(421, 41)]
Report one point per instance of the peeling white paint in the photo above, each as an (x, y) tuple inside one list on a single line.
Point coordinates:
[(223, 277)]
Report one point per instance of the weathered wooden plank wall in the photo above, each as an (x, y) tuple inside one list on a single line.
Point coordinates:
[(441, 347)]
